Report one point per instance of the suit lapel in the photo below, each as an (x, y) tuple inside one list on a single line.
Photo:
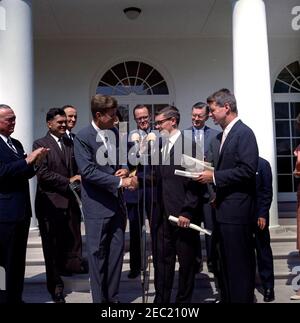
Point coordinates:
[(19, 154), (229, 137), (54, 145)]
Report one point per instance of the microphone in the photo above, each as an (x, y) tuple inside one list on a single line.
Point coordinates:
[(151, 138), (135, 138)]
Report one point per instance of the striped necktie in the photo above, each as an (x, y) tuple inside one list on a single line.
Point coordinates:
[(11, 146)]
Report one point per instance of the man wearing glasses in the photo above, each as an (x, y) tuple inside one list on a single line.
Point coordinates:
[(176, 196)]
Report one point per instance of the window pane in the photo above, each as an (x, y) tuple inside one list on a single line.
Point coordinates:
[(282, 129), (124, 112), (280, 87), (109, 78), (120, 71), (281, 110), (296, 86), (294, 68), (295, 143), (285, 76), (154, 78), (160, 89), (295, 129), (284, 165), (295, 109), (283, 147), (285, 183), (144, 70), (132, 67)]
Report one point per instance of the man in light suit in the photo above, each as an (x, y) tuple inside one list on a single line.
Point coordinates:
[(235, 157), (55, 202), (15, 208), (203, 135), (176, 196), (96, 151)]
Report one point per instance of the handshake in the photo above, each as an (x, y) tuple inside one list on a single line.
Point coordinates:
[(129, 181)]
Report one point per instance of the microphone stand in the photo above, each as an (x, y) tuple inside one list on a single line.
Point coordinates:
[(144, 236)]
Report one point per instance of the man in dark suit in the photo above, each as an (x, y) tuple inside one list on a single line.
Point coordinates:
[(177, 196), (96, 152), (264, 256), (135, 199), (55, 202), (15, 208), (203, 135), (235, 157), (75, 262)]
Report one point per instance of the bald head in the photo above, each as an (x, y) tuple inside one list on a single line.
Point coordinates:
[(7, 120)]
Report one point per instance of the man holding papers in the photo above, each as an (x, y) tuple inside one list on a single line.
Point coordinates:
[(177, 196), (234, 154)]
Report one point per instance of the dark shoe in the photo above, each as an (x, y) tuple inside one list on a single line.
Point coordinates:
[(133, 274), (269, 295), (58, 296)]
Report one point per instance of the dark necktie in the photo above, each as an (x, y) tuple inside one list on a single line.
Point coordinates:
[(11, 146), (63, 148)]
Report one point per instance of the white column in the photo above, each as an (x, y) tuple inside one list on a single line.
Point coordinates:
[(16, 67), (252, 81)]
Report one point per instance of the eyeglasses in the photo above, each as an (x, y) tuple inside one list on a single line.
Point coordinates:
[(160, 122), (142, 119)]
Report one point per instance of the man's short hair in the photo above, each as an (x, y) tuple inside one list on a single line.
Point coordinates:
[(170, 111), (140, 106), (54, 112), (101, 103), (68, 106), (5, 106), (201, 105), (222, 97)]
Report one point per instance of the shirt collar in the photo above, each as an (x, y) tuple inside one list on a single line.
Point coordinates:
[(174, 137), (54, 137), (4, 138), (231, 124)]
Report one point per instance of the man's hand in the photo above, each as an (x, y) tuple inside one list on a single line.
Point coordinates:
[(75, 178), (183, 222), (123, 172), (261, 222), (130, 182), (205, 177), (37, 156)]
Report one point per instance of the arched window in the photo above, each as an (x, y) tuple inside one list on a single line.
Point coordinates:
[(132, 77), (288, 80), (286, 95), (132, 83)]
